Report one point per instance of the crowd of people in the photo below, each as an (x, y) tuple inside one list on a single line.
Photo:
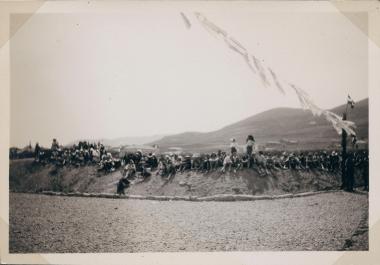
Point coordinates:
[(167, 165), (142, 165), (263, 161), (83, 153)]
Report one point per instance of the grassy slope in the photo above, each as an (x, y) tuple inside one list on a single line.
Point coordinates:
[(25, 176)]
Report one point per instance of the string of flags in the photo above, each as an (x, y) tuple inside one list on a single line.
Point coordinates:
[(268, 76), (186, 20)]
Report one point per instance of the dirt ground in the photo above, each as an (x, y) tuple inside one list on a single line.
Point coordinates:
[(46, 224)]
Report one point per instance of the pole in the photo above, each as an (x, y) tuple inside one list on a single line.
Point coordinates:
[(346, 112), (344, 153)]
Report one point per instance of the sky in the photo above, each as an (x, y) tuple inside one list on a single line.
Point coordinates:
[(142, 72)]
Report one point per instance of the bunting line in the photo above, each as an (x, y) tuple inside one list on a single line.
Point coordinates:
[(186, 20), (257, 67)]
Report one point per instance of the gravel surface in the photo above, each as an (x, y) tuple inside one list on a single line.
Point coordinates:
[(41, 224)]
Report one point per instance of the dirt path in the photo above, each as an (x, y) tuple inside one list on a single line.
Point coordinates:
[(40, 223)]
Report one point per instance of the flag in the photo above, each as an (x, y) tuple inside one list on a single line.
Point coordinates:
[(354, 140), (277, 83), (350, 102), (186, 20)]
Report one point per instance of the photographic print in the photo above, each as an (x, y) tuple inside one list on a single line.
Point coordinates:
[(188, 127)]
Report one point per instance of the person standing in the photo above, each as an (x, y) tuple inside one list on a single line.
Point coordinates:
[(54, 145), (233, 146), (102, 151), (37, 150), (54, 150), (250, 144)]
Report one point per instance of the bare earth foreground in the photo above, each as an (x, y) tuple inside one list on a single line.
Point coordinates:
[(330, 221)]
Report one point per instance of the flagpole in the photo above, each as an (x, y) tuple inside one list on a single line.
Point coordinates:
[(344, 151)]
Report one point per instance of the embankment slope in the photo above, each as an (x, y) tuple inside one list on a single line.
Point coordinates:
[(27, 176)]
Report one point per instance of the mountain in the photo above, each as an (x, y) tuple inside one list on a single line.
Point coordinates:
[(289, 128)]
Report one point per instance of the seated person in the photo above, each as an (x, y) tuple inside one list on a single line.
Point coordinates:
[(196, 162), (171, 170), (145, 173), (270, 162), (244, 161), (185, 163), (227, 163), (130, 169), (122, 184), (162, 169), (213, 161), (205, 163), (236, 163)]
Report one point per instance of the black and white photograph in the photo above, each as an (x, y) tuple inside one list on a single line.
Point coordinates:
[(176, 127)]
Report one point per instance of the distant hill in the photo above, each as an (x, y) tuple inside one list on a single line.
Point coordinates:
[(131, 140), (287, 127), (122, 141)]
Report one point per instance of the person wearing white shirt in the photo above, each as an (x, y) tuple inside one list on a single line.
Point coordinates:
[(233, 146), (227, 162)]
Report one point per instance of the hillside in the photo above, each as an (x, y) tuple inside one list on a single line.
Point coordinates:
[(288, 127)]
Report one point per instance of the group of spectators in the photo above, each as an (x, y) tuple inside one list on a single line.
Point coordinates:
[(167, 165), (83, 153), (263, 161), (139, 164)]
